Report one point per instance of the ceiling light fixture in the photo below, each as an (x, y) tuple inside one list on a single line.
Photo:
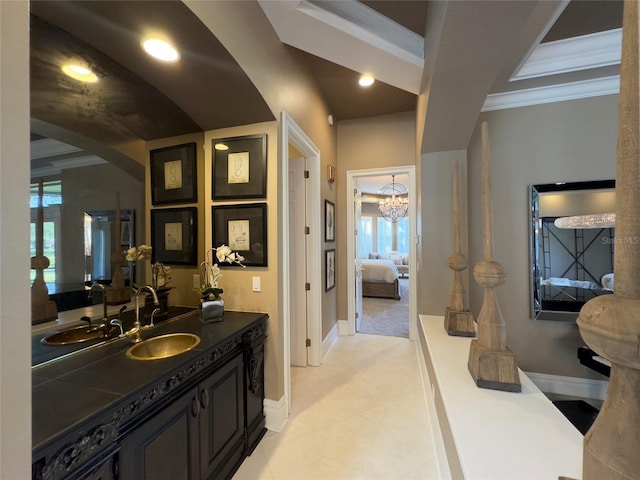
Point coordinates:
[(79, 72), (366, 80), (396, 204), (160, 49)]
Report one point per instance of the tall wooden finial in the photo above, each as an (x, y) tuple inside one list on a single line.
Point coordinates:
[(491, 363), (610, 324), (458, 320)]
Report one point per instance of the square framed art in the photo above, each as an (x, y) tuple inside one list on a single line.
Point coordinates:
[(239, 168), (173, 175), (174, 236), (244, 229)]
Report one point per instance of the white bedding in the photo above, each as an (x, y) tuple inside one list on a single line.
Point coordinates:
[(566, 282), (381, 270)]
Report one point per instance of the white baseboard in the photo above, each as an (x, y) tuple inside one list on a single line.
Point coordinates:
[(572, 386), (343, 327), (275, 413), (329, 341)]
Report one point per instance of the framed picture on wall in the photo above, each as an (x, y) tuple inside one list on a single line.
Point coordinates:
[(174, 236), (329, 221), (173, 175), (239, 168), (244, 229), (330, 269)]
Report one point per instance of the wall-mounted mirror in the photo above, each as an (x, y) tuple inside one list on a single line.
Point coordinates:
[(571, 246), (103, 237)]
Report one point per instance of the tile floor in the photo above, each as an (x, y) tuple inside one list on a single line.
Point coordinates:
[(361, 415)]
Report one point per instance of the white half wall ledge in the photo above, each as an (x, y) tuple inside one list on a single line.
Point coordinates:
[(492, 434), (553, 93)]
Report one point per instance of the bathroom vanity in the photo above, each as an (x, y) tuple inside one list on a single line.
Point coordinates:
[(99, 414)]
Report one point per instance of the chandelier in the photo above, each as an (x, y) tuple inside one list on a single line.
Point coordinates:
[(395, 204), (597, 220)]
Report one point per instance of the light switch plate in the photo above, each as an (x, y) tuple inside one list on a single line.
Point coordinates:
[(196, 281), (255, 284)]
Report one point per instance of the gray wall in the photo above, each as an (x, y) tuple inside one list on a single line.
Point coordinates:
[(565, 141)]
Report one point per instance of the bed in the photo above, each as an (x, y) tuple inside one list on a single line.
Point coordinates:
[(380, 279)]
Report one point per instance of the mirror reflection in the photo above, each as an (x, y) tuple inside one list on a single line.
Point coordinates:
[(102, 237), (572, 246)]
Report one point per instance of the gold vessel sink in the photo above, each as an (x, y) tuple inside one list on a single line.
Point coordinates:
[(80, 334), (163, 346)]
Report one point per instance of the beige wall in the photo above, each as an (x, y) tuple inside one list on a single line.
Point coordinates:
[(15, 316), (566, 141), (285, 86), (376, 142), (182, 275), (436, 233)]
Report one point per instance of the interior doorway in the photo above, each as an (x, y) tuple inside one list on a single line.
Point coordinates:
[(385, 248), (296, 150)]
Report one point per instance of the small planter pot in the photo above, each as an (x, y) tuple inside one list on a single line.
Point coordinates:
[(212, 310)]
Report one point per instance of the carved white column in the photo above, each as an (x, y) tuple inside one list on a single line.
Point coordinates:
[(458, 320), (610, 324), (491, 363)]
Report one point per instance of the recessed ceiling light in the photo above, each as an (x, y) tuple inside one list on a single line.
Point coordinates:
[(79, 72), (160, 49), (221, 146), (366, 80)]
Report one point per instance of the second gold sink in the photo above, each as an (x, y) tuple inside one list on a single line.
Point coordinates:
[(163, 346)]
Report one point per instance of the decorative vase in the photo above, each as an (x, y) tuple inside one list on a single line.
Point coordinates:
[(212, 310)]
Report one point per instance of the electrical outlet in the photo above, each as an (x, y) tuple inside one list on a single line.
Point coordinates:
[(196, 281), (255, 284)]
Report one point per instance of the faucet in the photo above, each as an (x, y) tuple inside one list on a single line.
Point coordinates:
[(99, 286), (134, 333)]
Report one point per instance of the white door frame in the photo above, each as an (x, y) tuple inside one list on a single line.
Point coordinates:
[(352, 177), (291, 133)]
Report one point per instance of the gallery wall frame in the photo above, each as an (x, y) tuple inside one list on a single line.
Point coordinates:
[(174, 174), (244, 229), (330, 269), (329, 221), (174, 236), (239, 168)]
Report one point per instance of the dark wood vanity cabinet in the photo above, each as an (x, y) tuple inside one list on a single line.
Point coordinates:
[(198, 436), (197, 421)]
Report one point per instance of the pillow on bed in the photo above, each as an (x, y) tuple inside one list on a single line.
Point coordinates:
[(374, 256)]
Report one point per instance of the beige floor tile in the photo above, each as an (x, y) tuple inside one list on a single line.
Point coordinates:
[(359, 416)]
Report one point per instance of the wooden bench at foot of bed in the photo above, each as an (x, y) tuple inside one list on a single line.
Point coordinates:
[(381, 289)]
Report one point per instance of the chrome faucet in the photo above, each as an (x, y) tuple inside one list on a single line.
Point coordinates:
[(99, 286)]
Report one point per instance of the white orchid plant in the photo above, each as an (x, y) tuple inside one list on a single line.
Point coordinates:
[(211, 273), (161, 273)]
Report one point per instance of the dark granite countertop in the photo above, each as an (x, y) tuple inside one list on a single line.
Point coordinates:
[(87, 387)]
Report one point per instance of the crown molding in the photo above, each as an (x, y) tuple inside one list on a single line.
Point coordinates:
[(586, 52), (553, 93)]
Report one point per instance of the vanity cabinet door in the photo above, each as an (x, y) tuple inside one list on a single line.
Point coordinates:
[(222, 421), (166, 446)]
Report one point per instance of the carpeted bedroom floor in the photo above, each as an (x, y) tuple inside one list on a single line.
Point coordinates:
[(385, 316)]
